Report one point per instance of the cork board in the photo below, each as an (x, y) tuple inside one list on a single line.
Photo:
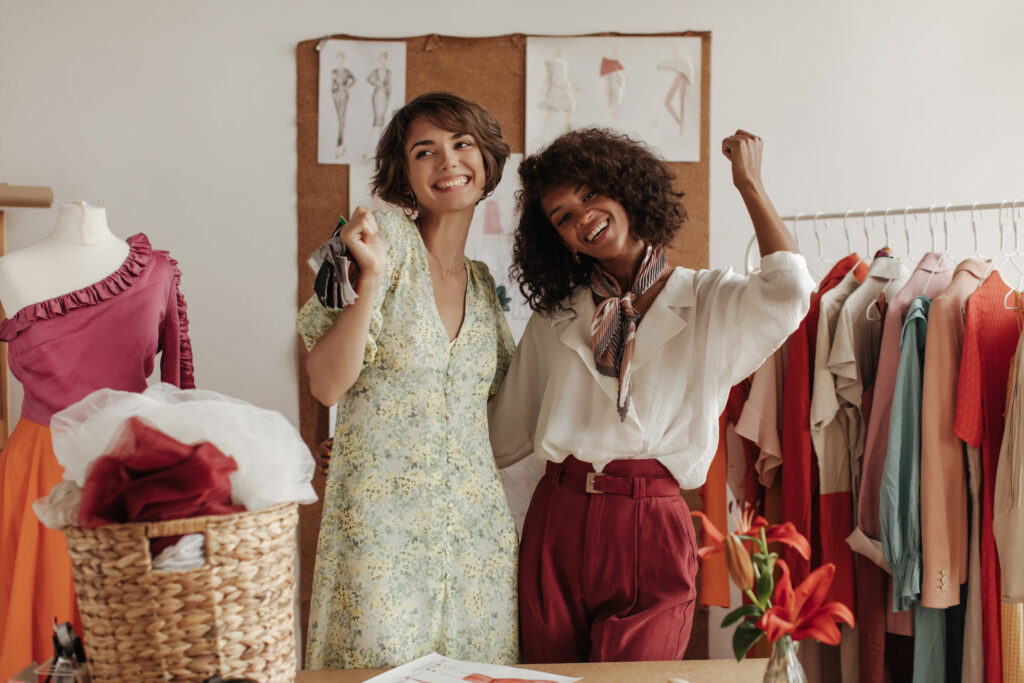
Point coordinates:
[(492, 72)]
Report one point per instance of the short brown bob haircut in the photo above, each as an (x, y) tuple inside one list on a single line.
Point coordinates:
[(444, 110)]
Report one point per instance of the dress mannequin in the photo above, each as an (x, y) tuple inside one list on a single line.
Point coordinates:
[(79, 251), (85, 310)]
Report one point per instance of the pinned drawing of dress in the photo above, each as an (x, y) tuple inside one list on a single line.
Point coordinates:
[(682, 68), (614, 75), (559, 94), (492, 218), (342, 81), (380, 79)]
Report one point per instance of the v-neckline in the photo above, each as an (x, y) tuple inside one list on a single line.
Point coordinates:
[(433, 294)]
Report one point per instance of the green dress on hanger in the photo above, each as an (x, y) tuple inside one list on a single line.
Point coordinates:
[(417, 548)]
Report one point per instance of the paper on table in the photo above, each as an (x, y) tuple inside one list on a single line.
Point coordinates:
[(435, 668)]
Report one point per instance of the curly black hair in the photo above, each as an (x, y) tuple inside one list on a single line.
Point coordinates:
[(611, 164)]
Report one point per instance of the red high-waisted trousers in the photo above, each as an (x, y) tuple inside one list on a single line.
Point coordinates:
[(607, 565)]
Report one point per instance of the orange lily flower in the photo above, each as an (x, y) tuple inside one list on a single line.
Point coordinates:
[(737, 559), (802, 613), (749, 523)]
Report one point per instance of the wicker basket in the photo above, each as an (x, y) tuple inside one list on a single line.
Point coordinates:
[(231, 617)]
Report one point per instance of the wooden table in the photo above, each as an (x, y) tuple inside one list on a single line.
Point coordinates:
[(692, 670)]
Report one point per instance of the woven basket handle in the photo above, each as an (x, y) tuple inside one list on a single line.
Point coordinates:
[(177, 527)]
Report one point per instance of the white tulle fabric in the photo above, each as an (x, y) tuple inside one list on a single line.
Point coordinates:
[(274, 464)]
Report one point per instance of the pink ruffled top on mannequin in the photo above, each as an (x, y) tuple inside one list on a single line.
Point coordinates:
[(106, 335)]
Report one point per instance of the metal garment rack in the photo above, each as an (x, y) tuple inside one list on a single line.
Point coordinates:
[(886, 215)]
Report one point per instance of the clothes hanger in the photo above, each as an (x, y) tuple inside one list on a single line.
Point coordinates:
[(1020, 282), (820, 259), (885, 227), (874, 306), (849, 243), (867, 235), (944, 255), (1005, 255), (906, 231)]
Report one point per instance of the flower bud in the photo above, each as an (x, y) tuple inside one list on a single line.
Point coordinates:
[(738, 560)]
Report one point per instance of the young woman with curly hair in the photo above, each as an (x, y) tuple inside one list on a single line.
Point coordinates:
[(618, 383), (417, 547)]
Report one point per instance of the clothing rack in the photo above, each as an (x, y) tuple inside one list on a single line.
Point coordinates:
[(15, 196), (886, 215)]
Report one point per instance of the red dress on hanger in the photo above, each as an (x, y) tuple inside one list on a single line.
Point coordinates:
[(991, 333)]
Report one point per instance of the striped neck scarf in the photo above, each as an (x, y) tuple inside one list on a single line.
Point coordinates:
[(615, 320)]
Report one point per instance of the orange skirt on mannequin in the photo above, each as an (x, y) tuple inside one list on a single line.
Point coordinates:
[(35, 570)]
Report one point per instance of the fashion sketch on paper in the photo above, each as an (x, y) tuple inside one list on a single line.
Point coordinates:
[(342, 81), (558, 91), (682, 69), (613, 74), (380, 79)]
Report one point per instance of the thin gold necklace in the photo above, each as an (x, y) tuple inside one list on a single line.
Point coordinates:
[(457, 271)]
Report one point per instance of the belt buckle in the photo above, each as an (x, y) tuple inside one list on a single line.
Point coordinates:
[(591, 476)]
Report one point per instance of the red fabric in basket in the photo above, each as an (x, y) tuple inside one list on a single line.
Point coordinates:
[(148, 476)]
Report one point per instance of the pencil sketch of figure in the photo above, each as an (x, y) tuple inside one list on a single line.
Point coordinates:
[(682, 68), (614, 76), (341, 82), (558, 91), (380, 79)]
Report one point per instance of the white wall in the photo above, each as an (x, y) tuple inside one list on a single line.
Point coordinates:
[(181, 116)]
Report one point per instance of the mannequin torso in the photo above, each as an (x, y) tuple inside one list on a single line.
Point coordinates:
[(80, 251)]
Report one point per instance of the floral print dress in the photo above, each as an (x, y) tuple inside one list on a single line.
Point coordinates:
[(417, 549)]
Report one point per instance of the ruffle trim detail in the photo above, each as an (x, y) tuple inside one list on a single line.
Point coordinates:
[(186, 368), (140, 253)]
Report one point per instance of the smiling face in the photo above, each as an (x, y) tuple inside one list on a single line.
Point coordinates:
[(590, 223), (446, 169)]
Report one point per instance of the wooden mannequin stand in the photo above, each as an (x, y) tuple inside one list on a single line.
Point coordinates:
[(14, 196)]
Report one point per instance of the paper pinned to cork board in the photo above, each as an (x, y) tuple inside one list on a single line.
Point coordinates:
[(648, 87), (435, 668)]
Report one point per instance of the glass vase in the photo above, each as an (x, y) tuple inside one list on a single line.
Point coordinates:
[(783, 666)]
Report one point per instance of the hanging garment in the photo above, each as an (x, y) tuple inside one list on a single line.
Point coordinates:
[(760, 420), (1008, 519), (417, 547), (990, 339), (837, 427), (714, 580), (944, 491), (899, 498), (62, 349), (1008, 512), (832, 461), (935, 271), (741, 453), (943, 475), (853, 359), (1012, 624), (800, 476), (899, 508), (973, 669)]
